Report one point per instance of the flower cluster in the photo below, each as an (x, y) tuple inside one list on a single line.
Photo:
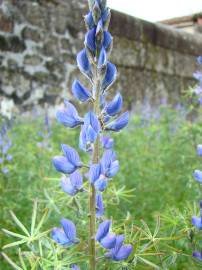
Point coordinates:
[(105, 116), (198, 76), (5, 145)]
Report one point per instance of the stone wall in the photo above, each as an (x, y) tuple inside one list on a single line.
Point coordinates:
[(39, 40)]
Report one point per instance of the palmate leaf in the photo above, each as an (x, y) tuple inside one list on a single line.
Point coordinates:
[(34, 233)]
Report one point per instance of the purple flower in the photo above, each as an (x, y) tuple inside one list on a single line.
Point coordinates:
[(119, 123), (68, 116), (99, 205), (97, 178), (198, 76), (198, 176), (80, 92), (199, 149), (110, 77), (120, 252), (104, 237), (197, 255), (89, 20), (102, 58), (110, 165), (89, 130), (67, 235), (73, 184), (199, 60), (75, 267), (84, 64), (107, 142), (115, 105), (197, 221), (69, 163), (5, 170)]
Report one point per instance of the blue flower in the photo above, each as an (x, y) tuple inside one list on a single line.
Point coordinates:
[(120, 252), (197, 221), (199, 60), (69, 163), (104, 237), (198, 76), (107, 142), (197, 255), (68, 116), (84, 64), (115, 105), (198, 176), (199, 149), (89, 21), (119, 123), (110, 165), (99, 205), (102, 58), (73, 184), (67, 235), (97, 178), (75, 267), (89, 130), (80, 92), (110, 76)]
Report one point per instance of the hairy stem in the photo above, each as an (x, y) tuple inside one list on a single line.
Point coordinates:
[(92, 194)]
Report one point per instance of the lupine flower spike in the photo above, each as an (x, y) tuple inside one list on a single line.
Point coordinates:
[(105, 115)]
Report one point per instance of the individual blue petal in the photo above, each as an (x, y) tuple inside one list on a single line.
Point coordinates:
[(200, 100), (105, 15), (102, 58), (198, 176), (99, 205), (100, 184), (108, 241), (103, 230), (107, 40), (99, 27), (84, 64), (115, 105), (69, 229), (83, 139), (198, 90), (197, 222), (80, 92), (71, 155), (92, 120), (197, 255), (199, 60), (199, 149), (68, 116), (107, 142), (119, 123), (120, 252), (76, 180), (114, 168), (62, 165), (89, 20), (110, 164), (90, 39), (60, 237), (123, 253), (94, 172), (67, 186), (110, 76), (91, 134)]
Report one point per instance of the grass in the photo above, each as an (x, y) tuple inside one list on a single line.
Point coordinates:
[(157, 160)]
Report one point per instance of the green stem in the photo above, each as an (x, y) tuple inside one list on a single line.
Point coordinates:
[(92, 193)]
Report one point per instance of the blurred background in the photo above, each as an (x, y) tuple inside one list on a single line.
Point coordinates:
[(156, 44)]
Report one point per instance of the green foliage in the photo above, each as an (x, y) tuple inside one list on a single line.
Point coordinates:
[(154, 187)]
